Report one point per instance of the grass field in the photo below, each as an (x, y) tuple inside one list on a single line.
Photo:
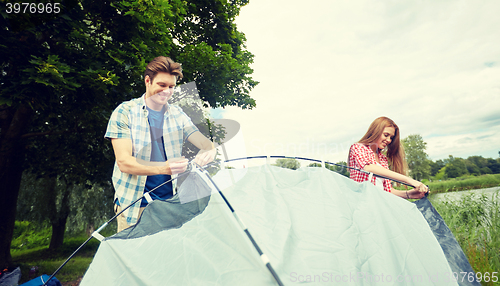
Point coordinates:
[(30, 249), (475, 222), (464, 183)]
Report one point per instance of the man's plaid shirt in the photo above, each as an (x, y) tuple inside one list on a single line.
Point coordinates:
[(361, 155), (130, 120)]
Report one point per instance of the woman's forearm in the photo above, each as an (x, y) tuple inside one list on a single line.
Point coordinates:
[(379, 170)]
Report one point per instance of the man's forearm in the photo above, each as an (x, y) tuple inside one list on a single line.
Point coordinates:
[(200, 141), (133, 166), (206, 145)]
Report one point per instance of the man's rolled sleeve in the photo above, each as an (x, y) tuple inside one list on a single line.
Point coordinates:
[(118, 125)]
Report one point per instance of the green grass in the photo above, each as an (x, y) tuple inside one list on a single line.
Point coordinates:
[(26, 256), (475, 223), (465, 183), (27, 235)]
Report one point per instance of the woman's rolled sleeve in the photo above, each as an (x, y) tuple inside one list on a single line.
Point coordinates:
[(362, 155)]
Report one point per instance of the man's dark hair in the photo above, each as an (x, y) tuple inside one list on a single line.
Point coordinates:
[(163, 64)]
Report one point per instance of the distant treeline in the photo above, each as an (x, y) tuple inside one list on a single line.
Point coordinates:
[(442, 169), (454, 167)]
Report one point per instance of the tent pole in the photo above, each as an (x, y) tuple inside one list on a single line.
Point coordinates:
[(225, 159), (263, 256)]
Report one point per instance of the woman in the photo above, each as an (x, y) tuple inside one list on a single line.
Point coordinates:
[(368, 154)]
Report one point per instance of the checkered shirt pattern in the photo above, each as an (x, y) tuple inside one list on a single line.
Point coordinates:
[(361, 155), (130, 120)]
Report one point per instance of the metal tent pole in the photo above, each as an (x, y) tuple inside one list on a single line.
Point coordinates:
[(262, 255)]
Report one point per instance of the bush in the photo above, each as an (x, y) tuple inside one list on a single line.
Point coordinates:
[(465, 183), (475, 222), (28, 235)]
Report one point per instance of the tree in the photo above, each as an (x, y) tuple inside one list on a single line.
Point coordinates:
[(494, 166), (455, 167), (53, 200), (335, 168), (288, 163), (472, 168), (417, 159), (63, 73), (436, 166), (341, 170), (479, 161)]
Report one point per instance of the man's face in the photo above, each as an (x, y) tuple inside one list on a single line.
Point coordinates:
[(159, 91)]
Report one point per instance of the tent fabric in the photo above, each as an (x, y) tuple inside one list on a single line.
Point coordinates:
[(316, 226), (191, 200), (10, 278), (457, 260)]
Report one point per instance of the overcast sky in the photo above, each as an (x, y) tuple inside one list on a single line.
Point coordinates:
[(328, 68)]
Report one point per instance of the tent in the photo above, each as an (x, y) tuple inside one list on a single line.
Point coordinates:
[(315, 226)]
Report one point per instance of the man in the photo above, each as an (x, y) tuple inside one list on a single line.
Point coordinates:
[(147, 136)]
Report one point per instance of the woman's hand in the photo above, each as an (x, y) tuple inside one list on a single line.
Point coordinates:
[(422, 188), (418, 192)]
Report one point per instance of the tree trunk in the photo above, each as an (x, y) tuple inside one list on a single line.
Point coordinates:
[(58, 229), (59, 216), (14, 122), (90, 229)]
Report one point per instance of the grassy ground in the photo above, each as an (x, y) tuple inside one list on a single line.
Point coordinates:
[(475, 223), (464, 183), (30, 249), (47, 262)]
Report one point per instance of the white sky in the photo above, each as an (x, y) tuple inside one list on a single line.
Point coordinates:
[(328, 68)]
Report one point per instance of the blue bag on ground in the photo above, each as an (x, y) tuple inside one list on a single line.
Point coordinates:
[(42, 279)]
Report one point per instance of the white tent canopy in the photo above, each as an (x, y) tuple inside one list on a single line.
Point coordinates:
[(316, 227)]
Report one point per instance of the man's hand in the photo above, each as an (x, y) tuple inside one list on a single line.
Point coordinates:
[(205, 156), (176, 166)]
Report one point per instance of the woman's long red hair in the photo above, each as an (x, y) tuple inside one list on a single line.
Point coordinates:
[(395, 151)]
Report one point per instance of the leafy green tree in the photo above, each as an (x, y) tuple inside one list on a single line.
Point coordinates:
[(453, 171), (339, 168), (494, 166), (455, 167), (479, 161), (436, 166), (441, 174), (472, 168), (52, 200), (288, 163), (417, 159), (485, 170), (63, 74)]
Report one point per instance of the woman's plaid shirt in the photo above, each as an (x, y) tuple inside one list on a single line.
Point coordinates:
[(361, 155)]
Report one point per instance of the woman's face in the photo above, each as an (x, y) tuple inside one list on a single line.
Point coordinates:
[(386, 137)]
